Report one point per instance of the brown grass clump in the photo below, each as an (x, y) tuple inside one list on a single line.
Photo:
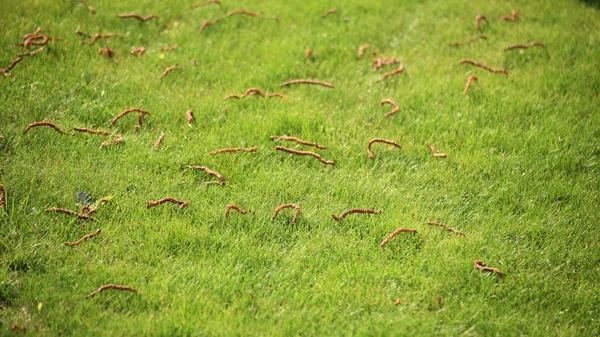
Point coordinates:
[(435, 152), (299, 141), (511, 18), (117, 117), (361, 50), (110, 286), (329, 12), (182, 204), (280, 207), (138, 51), (118, 140), (481, 266), (524, 46), (49, 124), (469, 82), (106, 52), (137, 16), (503, 71), (395, 107), (159, 141), (236, 149), (2, 197), (395, 233), (169, 69), (478, 18), (450, 229), (216, 2), (353, 211), (380, 140), (190, 117), (209, 171), (235, 207), (393, 72), (84, 238), (93, 132), (305, 153), (10, 66), (301, 81), (456, 44)]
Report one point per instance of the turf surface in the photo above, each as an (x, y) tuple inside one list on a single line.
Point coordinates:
[(520, 179)]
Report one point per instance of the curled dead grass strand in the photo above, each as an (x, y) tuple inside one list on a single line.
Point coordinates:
[(395, 233), (380, 140), (354, 211), (84, 238), (92, 131), (128, 111), (70, 212), (2, 197), (190, 117), (159, 141), (137, 16), (460, 43), (303, 81), (216, 2), (450, 229), (478, 19), (393, 72), (480, 65), (305, 153), (299, 141), (329, 12), (434, 151), (11, 65), (479, 265), (117, 140), (208, 171), (98, 36), (524, 46), (361, 50), (168, 70), (182, 204), (469, 82), (512, 17), (138, 51), (235, 207), (280, 207), (395, 107), (48, 124)]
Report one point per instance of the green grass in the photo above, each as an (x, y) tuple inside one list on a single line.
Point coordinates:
[(521, 177)]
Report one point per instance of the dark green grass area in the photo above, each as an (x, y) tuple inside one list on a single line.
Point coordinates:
[(521, 177)]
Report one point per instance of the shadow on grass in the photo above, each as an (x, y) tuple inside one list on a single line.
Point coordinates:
[(593, 3)]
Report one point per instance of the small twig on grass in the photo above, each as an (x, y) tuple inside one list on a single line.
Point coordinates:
[(524, 46), (469, 82), (168, 70), (216, 2), (93, 132), (236, 149), (231, 96), (2, 197), (395, 233), (253, 91), (84, 238), (478, 18), (301, 81), (68, 211), (235, 207), (395, 107), (159, 141), (11, 65), (207, 170), (49, 124), (355, 210), (280, 95), (137, 16), (117, 117), (305, 153), (450, 229), (101, 36), (299, 141), (119, 139), (460, 43), (503, 71), (435, 152), (182, 204), (138, 51), (361, 50), (512, 17), (31, 53), (393, 72), (380, 140), (329, 12), (110, 286), (190, 117), (481, 266), (280, 207)]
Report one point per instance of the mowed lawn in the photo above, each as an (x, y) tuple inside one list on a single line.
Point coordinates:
[(520, 178)]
